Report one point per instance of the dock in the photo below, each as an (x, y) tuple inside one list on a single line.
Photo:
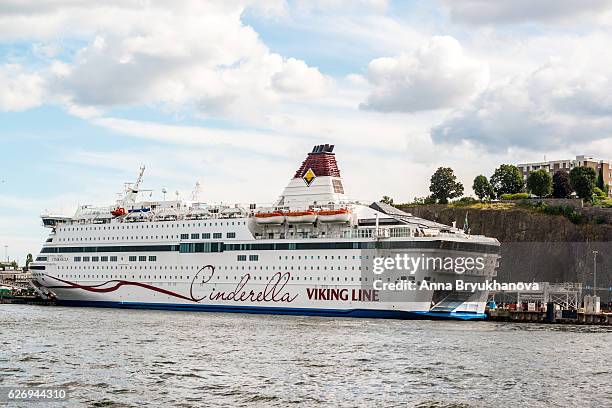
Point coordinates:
[(26, 300), (569, 317)]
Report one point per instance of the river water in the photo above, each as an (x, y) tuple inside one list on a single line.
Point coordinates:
[(124, 358)]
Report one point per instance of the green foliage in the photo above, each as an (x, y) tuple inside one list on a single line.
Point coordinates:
[(444, 185), (423, 200), (517, 196), (600, 180), (465, 201), (568, 212), (507, 179), (600, 220), (387, 200), (598, 193), (582, 180), (540, 183), (561, 185), (482, 188)]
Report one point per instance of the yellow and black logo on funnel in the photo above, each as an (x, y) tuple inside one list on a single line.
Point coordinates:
[(309, 177)]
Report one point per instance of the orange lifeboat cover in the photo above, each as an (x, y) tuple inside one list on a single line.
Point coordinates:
[(270, 214)]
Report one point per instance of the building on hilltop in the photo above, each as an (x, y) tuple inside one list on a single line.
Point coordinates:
[(554, 166)]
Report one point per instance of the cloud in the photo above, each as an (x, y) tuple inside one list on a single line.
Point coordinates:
[(560, 103), (198, 136), (518, 11), (20, 90), (182, 55), (298, 78), (344, 6), (437, 75)]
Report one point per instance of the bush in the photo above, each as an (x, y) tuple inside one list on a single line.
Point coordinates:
[(568, 212), (517, 196), (423, 200), (600, 220), (464, 201)]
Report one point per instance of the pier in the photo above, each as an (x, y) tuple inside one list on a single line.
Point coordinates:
[(561, 303), (522, 316)]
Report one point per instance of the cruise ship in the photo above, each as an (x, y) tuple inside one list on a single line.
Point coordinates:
[(313, 252)]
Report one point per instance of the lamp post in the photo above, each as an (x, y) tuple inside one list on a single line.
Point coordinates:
[(595, 272)]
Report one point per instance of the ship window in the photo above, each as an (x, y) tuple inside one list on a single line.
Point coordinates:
[(153, 258), (253, 257), (241, 258), (195, 236), (85, 259), (142, 258), (231, 235), (104, 259), (217, 235), (76, 259), (132, 258), (206, 235), (113, 259), (184, 236)]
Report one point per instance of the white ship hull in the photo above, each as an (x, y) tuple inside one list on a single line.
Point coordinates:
[(175, 255), (327, 282)]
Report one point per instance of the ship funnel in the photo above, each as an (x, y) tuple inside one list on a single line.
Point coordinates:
[(316, 182)]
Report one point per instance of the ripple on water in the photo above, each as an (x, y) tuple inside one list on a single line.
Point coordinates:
[(195, 359)]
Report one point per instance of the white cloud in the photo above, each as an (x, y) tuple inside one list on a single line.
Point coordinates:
[(437, 75), (517, 11), (344, 6), (562, 102), (19, 90), (182, 55), (198, 136), (298, 78)]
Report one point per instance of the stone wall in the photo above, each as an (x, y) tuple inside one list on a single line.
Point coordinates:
[(536, 246)]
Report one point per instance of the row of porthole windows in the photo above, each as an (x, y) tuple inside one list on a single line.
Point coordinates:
[(306, 257), (231, 268), (206, 235), (145, 226), (227, 277)]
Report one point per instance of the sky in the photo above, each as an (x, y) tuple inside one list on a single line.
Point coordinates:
[(234, 93)]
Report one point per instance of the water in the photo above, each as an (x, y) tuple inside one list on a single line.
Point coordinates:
[(124, 358)]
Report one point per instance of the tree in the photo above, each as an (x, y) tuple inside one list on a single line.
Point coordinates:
[(561, 185), (600, 180), (29, 259), (507, 179), (387, 200), (599, 193), (582, 180), (424, 200), (444, 185), (540, 183), (482, 188)]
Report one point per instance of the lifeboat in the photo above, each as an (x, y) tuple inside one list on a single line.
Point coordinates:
[(340, 215), (118, 212), (301, 217), (275, 217)]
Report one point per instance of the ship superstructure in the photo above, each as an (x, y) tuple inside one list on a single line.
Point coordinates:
[(311, 252)]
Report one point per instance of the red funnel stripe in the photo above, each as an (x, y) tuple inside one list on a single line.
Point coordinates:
[(323, 164)]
